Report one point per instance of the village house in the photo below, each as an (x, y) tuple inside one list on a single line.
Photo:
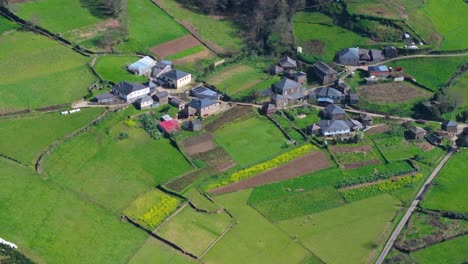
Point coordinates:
[(334, 112), (203, 92), (195, 125), (202, 107), (104, 98), (285, 65), (358, 56), (378, 71), (352, 98), (342, 86), (268, 109), (365, 119), (300, 77), (416, 133), (162, 97), (162, 67), (176, 78), (434, 139), (325, 73), (142, 66), (169, 126), (145, 102), (390, 52), (287, 92), (130, 92), (335, 128), (450, 126), (328, 93), (177, 102)]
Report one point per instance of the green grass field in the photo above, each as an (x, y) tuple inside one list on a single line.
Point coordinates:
[(452, 251), (251, 141), (51, 224), (148, 26), (318, 36), (38, 72), (194, 231), (355, 229), (221, 32), (7, 25), (113, 68), (253, 239), (458, 93), (24, 138), (373, 8), (396, 148), (186, 52), (155, 250), (201, 201), (431, 157), (431, 72), (127, 168), (449, 188)]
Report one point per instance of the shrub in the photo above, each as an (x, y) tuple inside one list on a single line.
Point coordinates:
[(149, 124), (130, 123), (123, 135), (159, 212)]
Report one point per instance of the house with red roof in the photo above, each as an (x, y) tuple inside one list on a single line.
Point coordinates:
[(169, 126)]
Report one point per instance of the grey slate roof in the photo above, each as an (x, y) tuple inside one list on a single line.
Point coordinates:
[(286, 84), (128, 88), (162, 94), (295, 96), (176, 74), (288, 63), (104, 96), (203, 92), (416, 129), (201, 103), (145, 99), (327, 92), (352, 53), (334, 109), (278, 97), (450, 123), (176, 101), (333, 125), (324, 68), (195, 122)]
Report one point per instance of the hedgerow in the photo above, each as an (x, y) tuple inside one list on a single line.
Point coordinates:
[(264, 166), (374, 177), (379, 188), (159, 212)]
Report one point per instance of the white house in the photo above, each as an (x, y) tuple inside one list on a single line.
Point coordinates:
[(177, 79), (145, 102), (142, 66), (130, 91)]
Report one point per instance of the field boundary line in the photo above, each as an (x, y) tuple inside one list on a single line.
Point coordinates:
[(13, 160)]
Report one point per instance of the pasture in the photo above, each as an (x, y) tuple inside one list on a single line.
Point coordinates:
[(357, 229), (221, 34), (148, 26), (128, 168), (431, 72), (253, 239), (251, 141), (185, 53), (113, 68), (51, 224), (372, 8), (318, 36), (452, 251), (194, 231), (7, 25), (450, 186), (396, 147), (38, 72), (24, 138), (154, 249), (457, 92)]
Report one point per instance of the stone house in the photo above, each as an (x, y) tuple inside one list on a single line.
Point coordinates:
[(390, 52), (145, 102), (450, 126), (334, 112), (300, 77), (268, 109), (162, 67), (365, 119), (325, 73), (195, 125), (176, 78), (162, 97), (416, 133), (177, 102), (330, 93), (202, 107), (287, 92)]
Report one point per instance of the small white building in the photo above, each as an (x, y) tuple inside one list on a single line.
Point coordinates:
[(177, 79), (130, 92), (142, 66), (145, 102)]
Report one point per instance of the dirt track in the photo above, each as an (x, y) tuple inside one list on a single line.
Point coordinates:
[(175, 46), (312, 162)]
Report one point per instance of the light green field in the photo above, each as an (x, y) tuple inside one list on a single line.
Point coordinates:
[(154, 250), (431, 72), (251, 141), (449, 189), (53, 225), (194, 231), (396, 148), (373, 8), (24, 138), (459, 92), (221, 32), (348, 234), (253, 239), (110, 172), (201, 201), (113, 68), (452, 251), (6, 25), (52, 15), (319, 27), (148, 26), (186, 52), (37, 72)]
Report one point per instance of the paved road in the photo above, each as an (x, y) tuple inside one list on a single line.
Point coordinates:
[(411, 209)]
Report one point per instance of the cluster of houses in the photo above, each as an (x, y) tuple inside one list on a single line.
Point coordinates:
[(449, 128), (358, 56), (163, 78)]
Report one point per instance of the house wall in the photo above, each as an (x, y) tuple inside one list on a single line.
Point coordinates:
[(184, 81), (335, 132), (209, 110), (137, 94)]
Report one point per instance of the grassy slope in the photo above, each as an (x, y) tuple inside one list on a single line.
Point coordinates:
[(222, 32), (155, 250), (452, 251), (458, 92), (251, 141), (253, 239), (355, 229), (316, 26), (6, 25), (186, 52), (431, 72), (38, 72), (148, 26), (23, 138), (52, 15), (53, 225), (113, 68), (127, 168), (450, 186)]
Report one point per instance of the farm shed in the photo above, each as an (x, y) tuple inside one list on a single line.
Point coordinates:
[(268, 109), (325, 73), (334, 112), (381, 70), (203, 92), (300, 77), (195, 125), (104, 98), (417, 132), (162, 97), (169, 126), (142, 66), (176, 102), (450, 126), (162, 67), (390, 52)]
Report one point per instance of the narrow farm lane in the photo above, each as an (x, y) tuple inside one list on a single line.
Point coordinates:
[(411, 209)]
